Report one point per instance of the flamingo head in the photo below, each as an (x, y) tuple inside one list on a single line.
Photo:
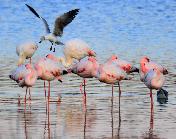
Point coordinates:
[(52, 57), (92, 59), (28, 66), (91, 53), (144, 59), (42, 39), (113, 57)]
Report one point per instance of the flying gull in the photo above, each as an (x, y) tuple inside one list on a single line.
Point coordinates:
[(60, 22)]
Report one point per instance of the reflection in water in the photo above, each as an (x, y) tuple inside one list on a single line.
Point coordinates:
[(85, 119), (150, 134), (47, 121), (118, 133)]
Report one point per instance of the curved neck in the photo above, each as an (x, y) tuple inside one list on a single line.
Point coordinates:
[(66, 61), (39, 70), (143, 68), (30, 78), (21, 59)]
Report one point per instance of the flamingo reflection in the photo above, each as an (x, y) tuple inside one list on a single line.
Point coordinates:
[(47, 121)]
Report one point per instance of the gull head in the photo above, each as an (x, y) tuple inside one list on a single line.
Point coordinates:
[(42, 39)]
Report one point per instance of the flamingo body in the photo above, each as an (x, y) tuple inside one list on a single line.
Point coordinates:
[(86, 68), (25, 51), (24, 75), (75, 49), (154, 79), (146, 65)]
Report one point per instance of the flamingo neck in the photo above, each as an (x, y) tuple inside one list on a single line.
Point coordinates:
[(21, 59), (143, 68), (30, 78), (66, 61)]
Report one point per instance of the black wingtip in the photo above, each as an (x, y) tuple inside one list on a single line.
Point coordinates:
[(32, 10)]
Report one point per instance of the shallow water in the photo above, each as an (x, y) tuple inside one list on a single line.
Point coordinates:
[(129, 29)]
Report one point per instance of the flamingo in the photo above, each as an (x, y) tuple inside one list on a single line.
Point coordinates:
[(26, 51), (60, 23), (86, 68), (110, 73), (123, 64), (75, 49), (24, 75), (154, 79), (146, 64), (48, 69)]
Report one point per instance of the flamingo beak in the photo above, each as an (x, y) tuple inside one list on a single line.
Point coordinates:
[(134, 69)]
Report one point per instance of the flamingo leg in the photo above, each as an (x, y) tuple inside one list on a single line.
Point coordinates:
[(81, 87), (112, 90), (30, 60), (25, 99), (29, 94), (119, 94), (85, 88), (84, 97), (151, 113), (151, 99), (48, 90), (45, 89)]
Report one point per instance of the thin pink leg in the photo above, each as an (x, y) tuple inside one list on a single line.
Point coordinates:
[(84, 84), (151, 112), (81, 87), (45, 89), (25, 99), (48, 89), (151, 99), (30, 60), (112, 92), (119, 94)]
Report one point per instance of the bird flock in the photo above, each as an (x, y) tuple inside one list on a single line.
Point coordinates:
[(51, 67)]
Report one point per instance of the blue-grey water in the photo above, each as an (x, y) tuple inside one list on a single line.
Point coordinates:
[(127, 28)]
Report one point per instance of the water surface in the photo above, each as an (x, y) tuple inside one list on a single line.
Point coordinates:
[(129, 29)]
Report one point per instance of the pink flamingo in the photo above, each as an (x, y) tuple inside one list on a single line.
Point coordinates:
[(48, 69), (110, 73), (24, 75), (26, 51), (153, 79), (86, 68), (125, 65), (146, 64)]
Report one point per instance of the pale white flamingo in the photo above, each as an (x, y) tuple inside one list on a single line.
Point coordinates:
[(75, 49), (60, 23), (25, 51), (110, 73), (24, 75), (153, 79), (48, 69), (146, 64), (125, 65), (85, 68)]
